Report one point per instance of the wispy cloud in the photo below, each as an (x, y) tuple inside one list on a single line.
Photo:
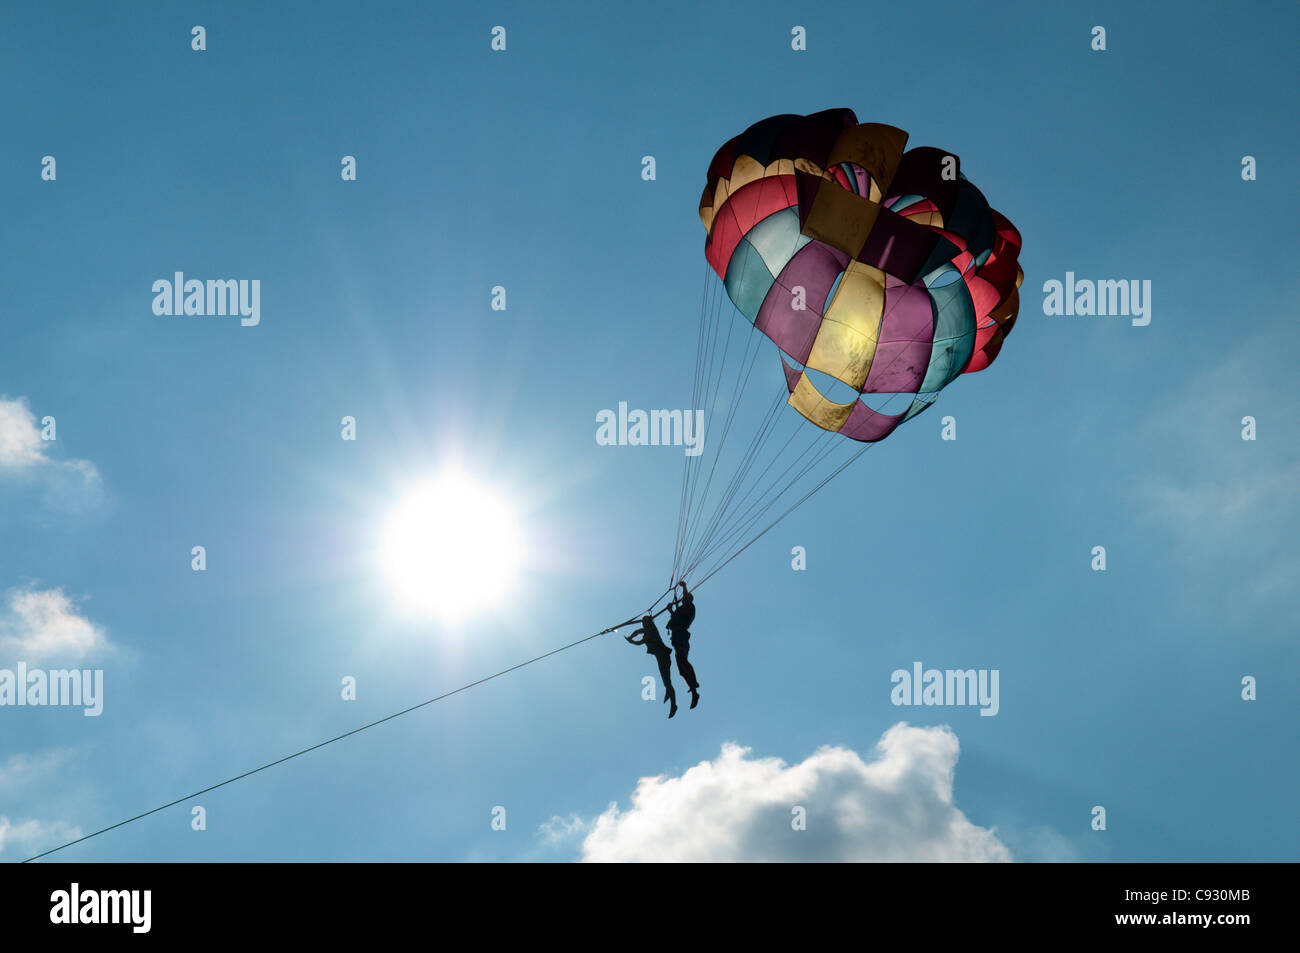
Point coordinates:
[(69, 486), (1041, 845), (563, 830), (21, 446), (1199, 469), (1221, 502), (22, 768), (41, 623), (897, 807), (1226, 505), (29, 836)]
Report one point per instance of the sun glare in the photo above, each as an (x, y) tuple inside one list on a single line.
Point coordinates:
[(451, 548)]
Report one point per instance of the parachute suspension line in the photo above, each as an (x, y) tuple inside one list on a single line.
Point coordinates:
[(726, 520), (763, 432), (691, 467), (710, 386), (705, 347), (695, 389), (746, 369), (695, 499), (821, 446), (699, 399), (710, 407), (736, 392), (798, 503), (740, 523), (759, 509), (723, 515)]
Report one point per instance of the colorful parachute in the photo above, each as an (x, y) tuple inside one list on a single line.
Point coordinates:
[(884, 269), (881, 275)]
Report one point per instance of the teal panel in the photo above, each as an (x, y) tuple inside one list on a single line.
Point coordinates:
[(777, 238), (748, 279), (954, 335)]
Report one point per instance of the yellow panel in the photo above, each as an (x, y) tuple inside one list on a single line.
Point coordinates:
[(719, 197), (807, 165), (846, 340), (932, 219), (874, 146), (808, 400), (840, 218), (745, 171), (706, 210), (720, 193)]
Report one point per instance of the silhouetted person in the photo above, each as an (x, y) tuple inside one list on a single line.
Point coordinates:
[(679, 625), (654, 645)]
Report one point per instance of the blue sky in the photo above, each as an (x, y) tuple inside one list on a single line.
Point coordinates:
[(522, 169)]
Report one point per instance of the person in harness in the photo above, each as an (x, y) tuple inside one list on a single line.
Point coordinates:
[(681, 615), (654, 645)]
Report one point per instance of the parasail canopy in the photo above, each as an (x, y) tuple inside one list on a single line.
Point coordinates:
[(886, 270), (881, 275)]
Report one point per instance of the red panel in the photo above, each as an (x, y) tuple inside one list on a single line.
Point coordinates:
[(983, 293), (743, 210)]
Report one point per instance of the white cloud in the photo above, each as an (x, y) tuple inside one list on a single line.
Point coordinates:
[(559, 830), (1223, 503), (72, 486), (1223, 509), (21, 446), (43, 622), (31, 836), (1197, 474), (21, 768), (1042, 845), (898, 807)]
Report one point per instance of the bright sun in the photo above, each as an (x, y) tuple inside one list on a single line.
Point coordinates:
[(452, 548)]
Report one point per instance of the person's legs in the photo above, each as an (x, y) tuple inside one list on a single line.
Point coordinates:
[(682, 646), (666, 673), (688, 671)]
